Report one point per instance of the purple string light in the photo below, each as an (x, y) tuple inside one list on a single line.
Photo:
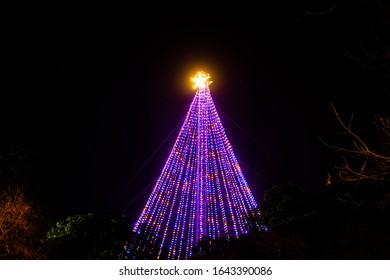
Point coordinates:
[(201, 191)]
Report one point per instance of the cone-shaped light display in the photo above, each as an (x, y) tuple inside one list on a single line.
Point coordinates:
[(201, 191)]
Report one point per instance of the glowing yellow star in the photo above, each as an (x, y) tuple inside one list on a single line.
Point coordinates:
[(201, 80)]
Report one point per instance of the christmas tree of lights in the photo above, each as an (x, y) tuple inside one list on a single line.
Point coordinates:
[(201, 191)]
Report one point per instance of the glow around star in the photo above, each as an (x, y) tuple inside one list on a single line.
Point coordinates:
[(201, 80)]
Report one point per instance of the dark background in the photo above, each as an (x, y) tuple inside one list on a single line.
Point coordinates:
[(91, 91)]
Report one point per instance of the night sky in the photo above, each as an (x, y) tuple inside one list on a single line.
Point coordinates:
[(92, 91)]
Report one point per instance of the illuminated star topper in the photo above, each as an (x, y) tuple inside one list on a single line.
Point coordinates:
[(201, 80)]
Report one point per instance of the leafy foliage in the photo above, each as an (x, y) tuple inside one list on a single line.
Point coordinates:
[(89, 236)]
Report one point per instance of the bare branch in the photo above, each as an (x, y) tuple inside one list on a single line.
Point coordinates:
[(326, 11), (361, 162), (17, 226)]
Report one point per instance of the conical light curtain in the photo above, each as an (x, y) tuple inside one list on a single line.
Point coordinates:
[(201, 191)]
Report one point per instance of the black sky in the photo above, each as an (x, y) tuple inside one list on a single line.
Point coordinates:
[(92, 91)]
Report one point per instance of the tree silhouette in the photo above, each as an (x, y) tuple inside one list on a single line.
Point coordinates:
[(142, 245)]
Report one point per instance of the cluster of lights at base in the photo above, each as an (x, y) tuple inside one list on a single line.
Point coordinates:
[(201, 191)]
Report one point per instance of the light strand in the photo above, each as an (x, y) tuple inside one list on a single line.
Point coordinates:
[(201, 191)]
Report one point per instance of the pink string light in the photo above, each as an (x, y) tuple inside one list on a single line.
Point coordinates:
[(201, 191)]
